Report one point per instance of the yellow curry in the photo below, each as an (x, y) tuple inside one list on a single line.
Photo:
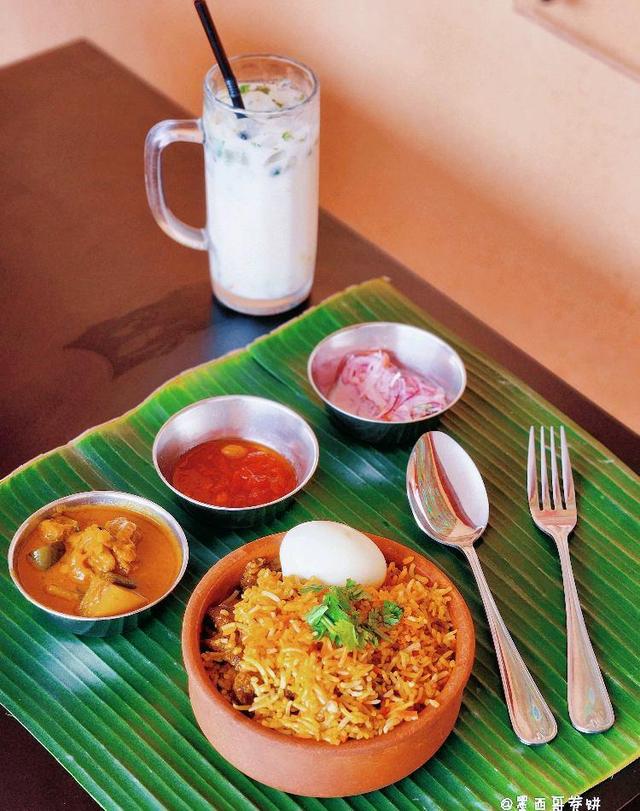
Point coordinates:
[(98, 561)]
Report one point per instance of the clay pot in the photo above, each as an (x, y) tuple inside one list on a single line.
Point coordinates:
[(307, 767)]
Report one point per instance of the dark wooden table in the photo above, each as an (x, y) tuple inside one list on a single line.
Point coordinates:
[(99, 307)]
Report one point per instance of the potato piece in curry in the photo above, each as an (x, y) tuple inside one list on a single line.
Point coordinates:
[(98, 561)]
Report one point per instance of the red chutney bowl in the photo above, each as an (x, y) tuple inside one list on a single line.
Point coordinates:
[(242, 416), (308, 767)]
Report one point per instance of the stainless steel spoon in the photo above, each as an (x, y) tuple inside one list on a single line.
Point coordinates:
[(449, 502)]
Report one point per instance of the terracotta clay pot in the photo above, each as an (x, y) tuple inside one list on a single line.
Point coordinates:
[(307, 767)]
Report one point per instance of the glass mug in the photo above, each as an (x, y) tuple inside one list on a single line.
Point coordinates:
[(261, 178)]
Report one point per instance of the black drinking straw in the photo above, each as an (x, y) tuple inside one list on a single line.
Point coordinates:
[(218, 50)]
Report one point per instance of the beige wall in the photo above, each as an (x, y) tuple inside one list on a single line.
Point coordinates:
[(492, 158)]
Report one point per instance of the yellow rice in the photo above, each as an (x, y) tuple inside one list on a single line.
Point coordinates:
[(313, 689)]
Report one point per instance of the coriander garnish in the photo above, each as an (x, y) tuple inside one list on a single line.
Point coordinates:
[(245, 88), (263, 88), (338, 618), (287, 136)]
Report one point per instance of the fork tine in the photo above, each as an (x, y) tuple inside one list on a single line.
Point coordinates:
[(544, 482), (567, 475), (555, 482), (532, 478)]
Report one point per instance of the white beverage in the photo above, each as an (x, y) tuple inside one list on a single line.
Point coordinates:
[(261, 174), (261, 177)]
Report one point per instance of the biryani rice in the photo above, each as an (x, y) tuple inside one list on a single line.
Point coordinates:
[(311, 688)]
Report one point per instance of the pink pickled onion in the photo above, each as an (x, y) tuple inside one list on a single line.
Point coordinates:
[(371, 384)]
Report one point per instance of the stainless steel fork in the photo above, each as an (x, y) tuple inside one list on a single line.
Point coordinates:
[(555, 513)]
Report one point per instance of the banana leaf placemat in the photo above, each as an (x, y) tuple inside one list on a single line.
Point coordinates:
[(115, 711)]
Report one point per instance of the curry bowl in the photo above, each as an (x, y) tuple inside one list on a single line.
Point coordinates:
[(254, 419), (99, 626), (416, 350), (304, 766)]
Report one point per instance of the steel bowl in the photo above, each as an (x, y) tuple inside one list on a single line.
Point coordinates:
[(414, 348), (237, 415), (98, 626)]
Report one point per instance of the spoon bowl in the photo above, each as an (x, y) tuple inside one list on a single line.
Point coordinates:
[(446, 489), (449, 502)]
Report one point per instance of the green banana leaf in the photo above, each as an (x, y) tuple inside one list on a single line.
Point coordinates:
[(115, 711)]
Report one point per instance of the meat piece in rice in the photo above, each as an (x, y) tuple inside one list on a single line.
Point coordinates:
[(251, 571), (220, 615), (224, 652), (242, 688)]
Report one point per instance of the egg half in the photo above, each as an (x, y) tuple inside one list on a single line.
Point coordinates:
[(332, 553)]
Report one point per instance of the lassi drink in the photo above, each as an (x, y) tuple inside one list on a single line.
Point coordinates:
[(261, 174), (261, 178)]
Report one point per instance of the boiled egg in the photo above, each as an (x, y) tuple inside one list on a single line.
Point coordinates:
[(332, 553)]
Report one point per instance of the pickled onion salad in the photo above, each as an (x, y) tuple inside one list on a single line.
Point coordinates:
[(372, 384)]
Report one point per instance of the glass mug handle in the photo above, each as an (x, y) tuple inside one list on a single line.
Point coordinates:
[(158, 137)]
